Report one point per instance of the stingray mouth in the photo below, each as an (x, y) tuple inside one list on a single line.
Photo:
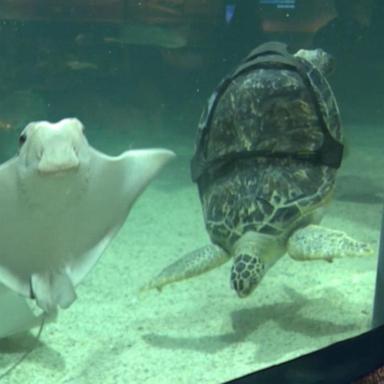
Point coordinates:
[(58, 169), (58, 162)]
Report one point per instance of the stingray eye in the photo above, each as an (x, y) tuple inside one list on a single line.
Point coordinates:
[(22, 139)]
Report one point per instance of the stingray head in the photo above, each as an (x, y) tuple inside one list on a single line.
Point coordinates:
[(52, 148)]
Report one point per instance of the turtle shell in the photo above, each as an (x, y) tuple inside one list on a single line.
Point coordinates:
[(270, 110)]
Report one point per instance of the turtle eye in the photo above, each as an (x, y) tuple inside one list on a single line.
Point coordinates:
[(22, 139)]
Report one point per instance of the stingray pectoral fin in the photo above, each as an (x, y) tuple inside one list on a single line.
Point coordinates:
[(319, 243), (143, 165), (52, 289), (116, 182), (192, 264), (15, 282), (16, 315), (132, 171), (78, 268)]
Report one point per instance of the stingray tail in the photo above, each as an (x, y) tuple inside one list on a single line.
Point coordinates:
[(28, 352)]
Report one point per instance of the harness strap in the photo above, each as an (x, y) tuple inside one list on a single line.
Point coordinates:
[(272, 54)]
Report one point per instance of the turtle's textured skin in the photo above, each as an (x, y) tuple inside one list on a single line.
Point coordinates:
[(257, 208)]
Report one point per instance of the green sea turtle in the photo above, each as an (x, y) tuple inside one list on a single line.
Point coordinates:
[(268, 149)]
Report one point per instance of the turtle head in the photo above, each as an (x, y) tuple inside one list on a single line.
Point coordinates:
[(246, 273), (322, 60), (253, 253)]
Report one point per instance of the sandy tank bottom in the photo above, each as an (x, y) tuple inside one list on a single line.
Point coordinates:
[(198, 330)]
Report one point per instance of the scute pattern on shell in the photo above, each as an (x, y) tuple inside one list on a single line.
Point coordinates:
[(263, 196), (266, 109)]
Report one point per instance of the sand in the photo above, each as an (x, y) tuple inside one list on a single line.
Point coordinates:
[(198, 331)]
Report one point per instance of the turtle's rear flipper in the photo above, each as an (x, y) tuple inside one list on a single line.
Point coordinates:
[(319, 243), (192, 264)]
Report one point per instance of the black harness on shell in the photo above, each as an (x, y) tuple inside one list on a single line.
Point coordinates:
[(268, 55)]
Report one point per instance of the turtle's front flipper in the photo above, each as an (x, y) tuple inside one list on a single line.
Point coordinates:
[(314, 243), (192, 264)]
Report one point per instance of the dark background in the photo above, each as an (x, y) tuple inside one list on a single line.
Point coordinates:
[(58, 59)]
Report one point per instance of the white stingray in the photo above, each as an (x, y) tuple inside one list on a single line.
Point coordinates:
[(61, 203)]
